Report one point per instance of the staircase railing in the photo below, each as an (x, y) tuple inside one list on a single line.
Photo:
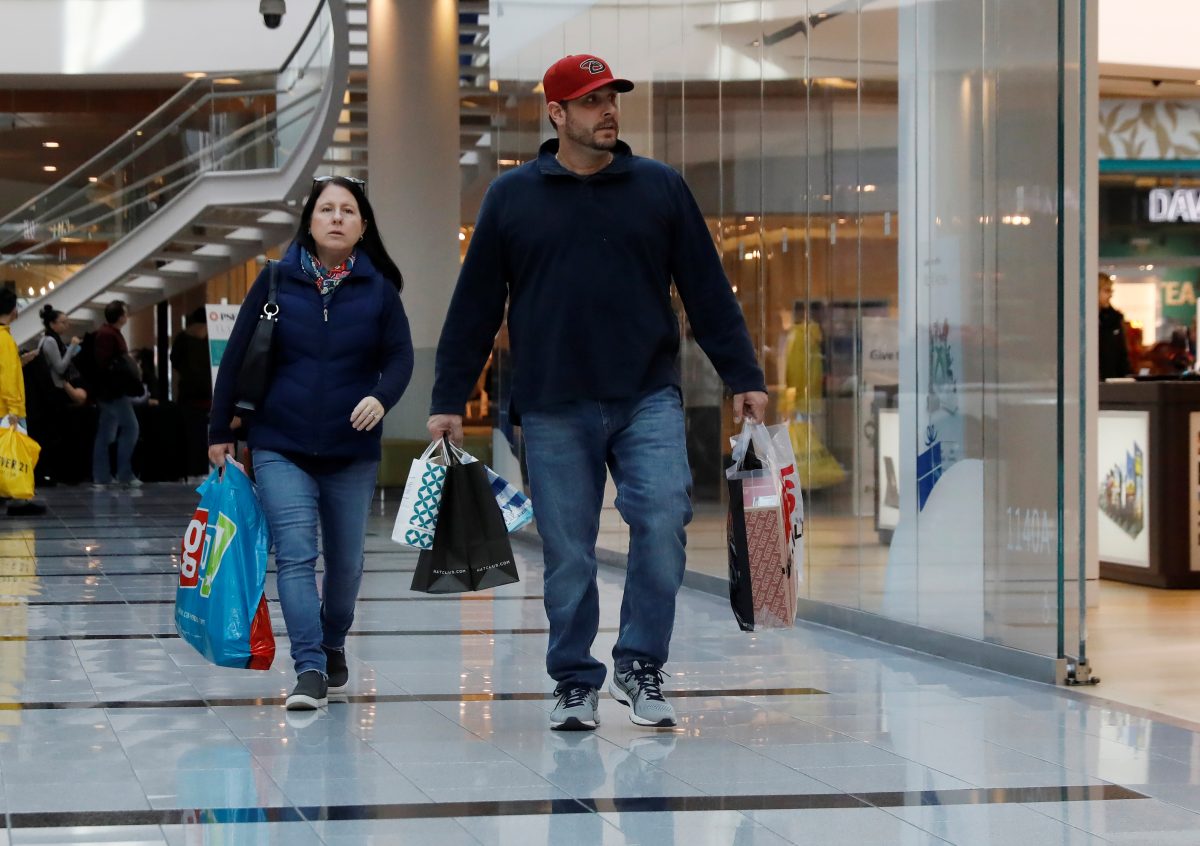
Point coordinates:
[(253, 139)]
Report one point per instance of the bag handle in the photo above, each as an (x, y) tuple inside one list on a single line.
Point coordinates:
[(450, 451), (271, 306)]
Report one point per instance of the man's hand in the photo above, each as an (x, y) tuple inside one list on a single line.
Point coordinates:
[(446, 424), (751, 405), (29, 356)]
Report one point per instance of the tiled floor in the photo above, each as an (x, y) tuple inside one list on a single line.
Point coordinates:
[(114, 731)]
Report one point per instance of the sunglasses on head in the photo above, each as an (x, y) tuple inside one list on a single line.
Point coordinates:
[(321, 180)]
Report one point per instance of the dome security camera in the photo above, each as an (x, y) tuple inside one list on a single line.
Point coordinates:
[(272, 12)]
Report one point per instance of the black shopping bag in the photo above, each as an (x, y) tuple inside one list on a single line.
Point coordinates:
[(470, 543), (741, 589)]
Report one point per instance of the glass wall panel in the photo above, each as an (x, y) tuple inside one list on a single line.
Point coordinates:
[(881, 182)]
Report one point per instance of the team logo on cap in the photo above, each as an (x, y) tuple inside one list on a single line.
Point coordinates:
[(592, 66)]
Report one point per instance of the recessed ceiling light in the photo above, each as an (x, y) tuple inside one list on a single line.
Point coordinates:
[(93, 179), (49, 168), (227, 80), (195, 74), (50, 145)]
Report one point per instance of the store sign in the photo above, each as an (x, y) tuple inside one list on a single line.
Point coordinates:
[(220, 326), (881, 351), (1175, 206)]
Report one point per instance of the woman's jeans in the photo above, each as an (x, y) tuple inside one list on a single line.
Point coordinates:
[(295, 503), (117, 422), (641, 441)]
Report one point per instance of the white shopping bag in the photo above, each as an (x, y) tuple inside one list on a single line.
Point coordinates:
[(422, 497)]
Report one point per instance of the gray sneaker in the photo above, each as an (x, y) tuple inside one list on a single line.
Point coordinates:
[(576, 709), (640, 689)]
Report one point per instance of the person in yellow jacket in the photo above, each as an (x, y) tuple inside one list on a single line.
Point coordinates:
[(12, 389), (803, 404)]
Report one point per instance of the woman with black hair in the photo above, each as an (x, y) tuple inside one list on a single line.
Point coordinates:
[(50, 389), (341, 357), (57, 352)]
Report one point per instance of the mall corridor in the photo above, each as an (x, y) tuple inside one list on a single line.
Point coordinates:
[(113, 730)]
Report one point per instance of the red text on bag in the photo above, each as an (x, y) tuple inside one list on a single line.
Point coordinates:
[(193, 549)]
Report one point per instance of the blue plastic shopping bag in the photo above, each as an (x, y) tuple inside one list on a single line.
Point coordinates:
[(220, 606)]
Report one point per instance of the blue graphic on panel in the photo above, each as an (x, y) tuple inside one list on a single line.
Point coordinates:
[(929, 466)]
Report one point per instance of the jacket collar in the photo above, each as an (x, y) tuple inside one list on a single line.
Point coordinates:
[(550, 166), (289, 265)]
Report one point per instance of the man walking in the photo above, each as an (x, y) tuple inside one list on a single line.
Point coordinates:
[(117, 422), (584, 243)]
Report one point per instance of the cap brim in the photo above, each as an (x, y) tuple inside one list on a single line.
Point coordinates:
[(622, 85)]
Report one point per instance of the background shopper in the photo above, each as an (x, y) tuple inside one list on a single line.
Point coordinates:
[(117, 422), (342, 357), (50, 417), (191, 382), (12, 389), (584, 243), (1114, 352)]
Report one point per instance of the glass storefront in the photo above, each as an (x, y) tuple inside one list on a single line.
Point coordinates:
[(885, 183)]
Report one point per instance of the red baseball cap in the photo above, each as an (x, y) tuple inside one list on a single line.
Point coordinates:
[(573, 76)]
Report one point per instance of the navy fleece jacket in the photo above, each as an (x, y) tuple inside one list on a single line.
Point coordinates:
[(586, 264), (321, 366)]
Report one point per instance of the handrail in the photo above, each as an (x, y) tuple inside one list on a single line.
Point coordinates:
[(54, 211), (303, 36), (288, 139), (83, 168), (151, 178), (191, 84)]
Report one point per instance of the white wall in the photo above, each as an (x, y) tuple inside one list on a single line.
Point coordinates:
[(1149, 33), (144, 36)]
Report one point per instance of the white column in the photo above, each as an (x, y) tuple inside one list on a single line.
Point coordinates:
[(412, 91)]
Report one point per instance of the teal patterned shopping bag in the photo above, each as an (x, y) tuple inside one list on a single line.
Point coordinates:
[(417, 518)]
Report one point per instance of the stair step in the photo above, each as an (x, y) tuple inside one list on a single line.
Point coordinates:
[(167, 255), (473, 29), (473, 50), (473, 7)]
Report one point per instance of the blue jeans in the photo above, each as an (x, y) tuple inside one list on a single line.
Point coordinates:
[(641, 441), (295, 503), (117, 423)]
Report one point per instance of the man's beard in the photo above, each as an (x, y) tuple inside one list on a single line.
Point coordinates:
[(587, 138)]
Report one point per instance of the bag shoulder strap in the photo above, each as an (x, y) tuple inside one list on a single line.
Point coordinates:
[(271, 306)]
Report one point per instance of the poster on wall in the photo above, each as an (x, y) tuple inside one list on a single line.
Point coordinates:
[(1124, 499), (887, 457), (220, 326)]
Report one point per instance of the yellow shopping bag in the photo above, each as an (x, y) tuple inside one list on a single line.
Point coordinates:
[(18, 456)]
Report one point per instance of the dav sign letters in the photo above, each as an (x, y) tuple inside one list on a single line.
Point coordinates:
[(1174, 205)]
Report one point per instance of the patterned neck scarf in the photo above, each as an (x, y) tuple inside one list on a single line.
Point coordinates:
[(326, 279)]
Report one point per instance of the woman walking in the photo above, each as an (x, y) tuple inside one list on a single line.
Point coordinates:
[(341, 358)]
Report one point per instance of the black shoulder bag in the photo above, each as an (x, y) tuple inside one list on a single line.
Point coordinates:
[(255, 374)]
